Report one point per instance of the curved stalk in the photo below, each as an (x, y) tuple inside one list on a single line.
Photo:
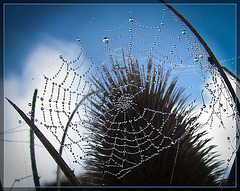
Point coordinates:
[(65, 133), (32, 149), (58, 159)]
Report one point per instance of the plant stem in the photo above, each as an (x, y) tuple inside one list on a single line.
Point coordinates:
[(64, 167), (65, 133), (32, 150)]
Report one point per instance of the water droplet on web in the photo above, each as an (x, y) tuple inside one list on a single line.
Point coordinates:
[(187, 49), (173, 142), (77, 39), (154, 43), (200, 55), (93, 18), (196, 59), (130, 30), (174, 46), (29, 104), (41, 99), (61, 56), (131, 19), (131, 37), (20, 121), (157, 36), (171, 52), (184, 31), (206, 85), (106, 40), (162, 23)]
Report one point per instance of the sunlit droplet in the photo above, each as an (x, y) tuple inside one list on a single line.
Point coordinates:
[(61, 56), (184, 31), (29, 104), (196, 59), (106, 40), (162, 23), (20, 121), (174, 46), (131, 19)]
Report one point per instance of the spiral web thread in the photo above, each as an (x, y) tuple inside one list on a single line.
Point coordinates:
[(172, 47)]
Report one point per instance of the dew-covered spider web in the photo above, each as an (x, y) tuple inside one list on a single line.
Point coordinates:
[(112, 111)]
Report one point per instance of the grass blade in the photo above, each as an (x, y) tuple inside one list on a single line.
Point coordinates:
[(58, 159)]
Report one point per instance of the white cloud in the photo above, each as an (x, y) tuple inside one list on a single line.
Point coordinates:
[(44, 59)]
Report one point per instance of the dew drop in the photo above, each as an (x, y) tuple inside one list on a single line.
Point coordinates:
[(41, 99), (131, 19), (154, 43), (20, 121), (61, 56), (173, 142), (174, 46), (162, 23), (171, 52), (184, 31), (106, 40), (196, 59), (206, 85), (130, 30), (157, 36), (29, 104)]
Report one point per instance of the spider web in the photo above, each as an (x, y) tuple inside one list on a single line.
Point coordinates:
[(173, 49)]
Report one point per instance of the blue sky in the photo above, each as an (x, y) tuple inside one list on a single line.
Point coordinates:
[(26, 24), (35, 36)]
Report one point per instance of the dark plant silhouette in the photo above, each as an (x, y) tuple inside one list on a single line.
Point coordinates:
[(182, 159)]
